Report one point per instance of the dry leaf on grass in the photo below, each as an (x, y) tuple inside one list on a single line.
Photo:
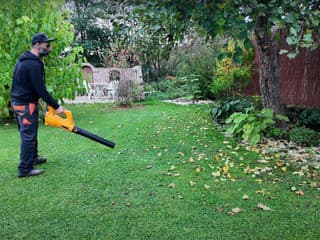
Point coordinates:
[(234, 211), (245, 197), (263, 207)]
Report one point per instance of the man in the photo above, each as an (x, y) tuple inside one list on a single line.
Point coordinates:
[(28, 86)]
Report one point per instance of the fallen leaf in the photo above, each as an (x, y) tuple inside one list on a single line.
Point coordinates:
[(128, 204), (293, 188), (172, 167), (300, 193), (226, 169), (263, 207), (216, 174), (171, 185), (181, 154), (234, 211), (219, 209), (263, 161), (245, 197), (191, 183)]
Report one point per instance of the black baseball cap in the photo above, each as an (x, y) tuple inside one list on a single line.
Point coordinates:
[(41, 37)]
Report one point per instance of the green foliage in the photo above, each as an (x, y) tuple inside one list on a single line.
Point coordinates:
[(229, 77), (224, 109), (19, 20), (310, 118), (199, 59), (95, 38), (304, 117), (244, 19), (251, 125), (167, 88), (304, 136), (192, 86), (275, 132)]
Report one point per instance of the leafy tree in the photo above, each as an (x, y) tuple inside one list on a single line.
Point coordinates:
[(93, 28), (156, 36), (247, 19), (19, 20)]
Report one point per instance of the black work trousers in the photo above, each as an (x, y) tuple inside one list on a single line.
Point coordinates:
[(27, 118)]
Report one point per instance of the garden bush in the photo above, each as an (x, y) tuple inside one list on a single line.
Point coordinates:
[(304, 117), (224, 109), (252, 125), (310, 118), (231, 75), (198, 59), (304, 136)]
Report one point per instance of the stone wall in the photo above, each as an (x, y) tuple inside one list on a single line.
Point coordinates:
[(104, 82)]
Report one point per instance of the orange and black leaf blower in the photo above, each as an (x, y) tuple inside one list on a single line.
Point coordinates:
[(52, 119)]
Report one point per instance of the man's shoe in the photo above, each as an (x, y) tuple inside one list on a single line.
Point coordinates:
[(33, 172), (39, 160)]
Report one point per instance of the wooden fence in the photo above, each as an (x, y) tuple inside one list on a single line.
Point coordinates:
[(299, 78)]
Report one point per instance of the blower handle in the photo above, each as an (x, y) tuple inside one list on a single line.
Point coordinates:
[(67, 113)]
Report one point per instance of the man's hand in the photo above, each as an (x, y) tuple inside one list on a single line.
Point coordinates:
[(60, 110)]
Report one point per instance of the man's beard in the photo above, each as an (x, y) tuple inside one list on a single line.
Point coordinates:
[(43, 52)]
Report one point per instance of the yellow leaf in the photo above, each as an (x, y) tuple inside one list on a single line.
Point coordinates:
[(283, 169), (172, 167), (226, 169)]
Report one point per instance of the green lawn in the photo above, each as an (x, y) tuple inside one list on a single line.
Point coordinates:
[(161, 181)]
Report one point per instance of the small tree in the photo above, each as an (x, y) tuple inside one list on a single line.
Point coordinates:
[(19, 20)]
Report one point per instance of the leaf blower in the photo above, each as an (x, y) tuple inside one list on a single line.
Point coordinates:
[(52, 119)]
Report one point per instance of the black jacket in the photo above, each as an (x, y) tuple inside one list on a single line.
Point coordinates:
[(28, 84)]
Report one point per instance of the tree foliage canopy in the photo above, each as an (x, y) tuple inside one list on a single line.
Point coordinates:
[(252, 19), (19, 21)]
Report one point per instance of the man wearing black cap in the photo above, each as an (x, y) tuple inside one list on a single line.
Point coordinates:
[(28, 86)]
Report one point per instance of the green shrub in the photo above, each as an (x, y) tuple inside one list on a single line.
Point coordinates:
[(304, 117), (192, 86), (199, 59), (275, 132), (241, 77), (166, 88), (304, 136), (224, 109), (310, 118), (252, 125)]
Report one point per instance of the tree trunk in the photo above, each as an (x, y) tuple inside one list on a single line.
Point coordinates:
[(269, 71)]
